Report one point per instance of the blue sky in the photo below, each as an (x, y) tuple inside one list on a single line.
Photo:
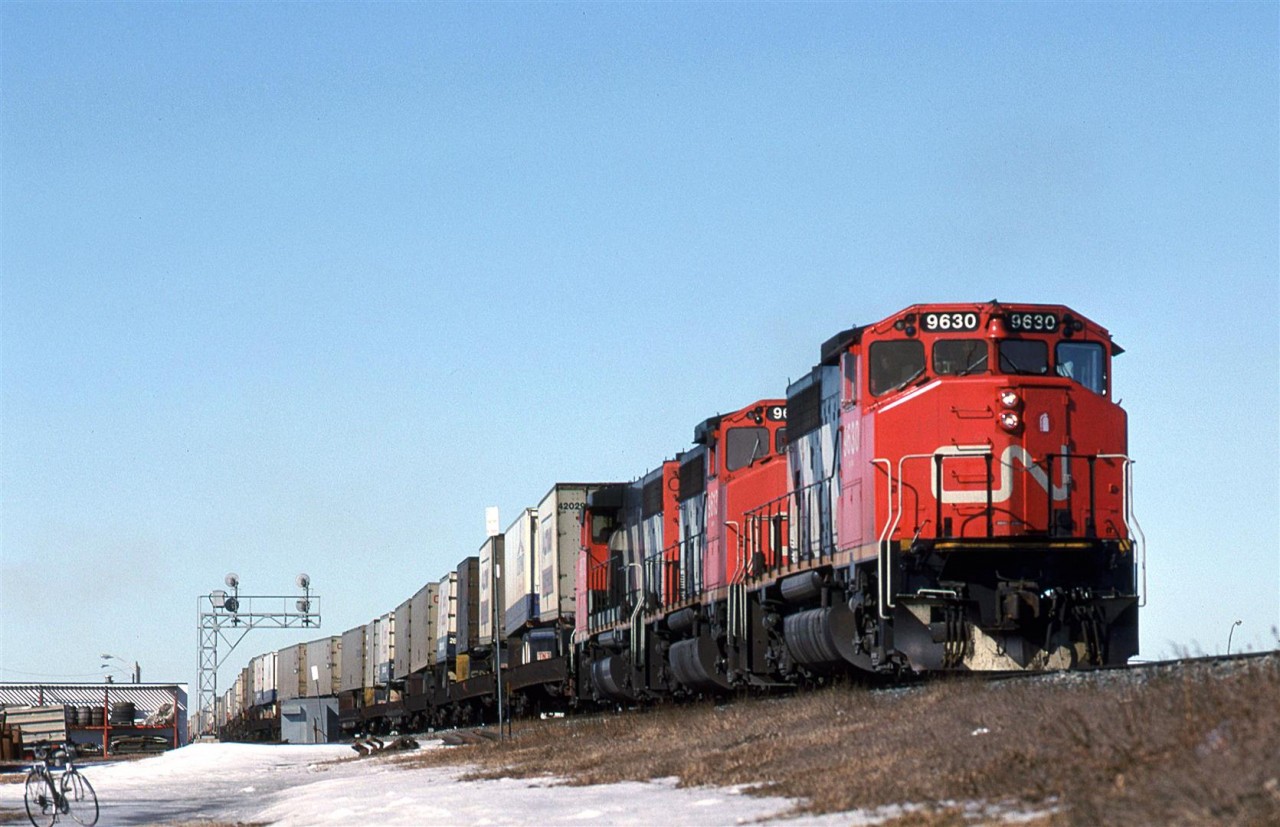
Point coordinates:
[(305, 287)]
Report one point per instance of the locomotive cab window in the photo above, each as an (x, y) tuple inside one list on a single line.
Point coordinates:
[(895, 364), (602, 526), (849, 389), (1024, 356), (959, 357), (1083, 362), (780, 441), (744, 446)]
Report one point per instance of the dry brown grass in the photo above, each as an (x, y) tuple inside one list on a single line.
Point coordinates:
[(1193, 746)]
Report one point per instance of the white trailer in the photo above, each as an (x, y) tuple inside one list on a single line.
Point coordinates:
[(424, 608), (447, 618), (519, 552)]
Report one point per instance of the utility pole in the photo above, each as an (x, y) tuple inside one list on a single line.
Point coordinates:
[(491, 527)]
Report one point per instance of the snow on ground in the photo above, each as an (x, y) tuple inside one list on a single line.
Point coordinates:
[(299, 786)]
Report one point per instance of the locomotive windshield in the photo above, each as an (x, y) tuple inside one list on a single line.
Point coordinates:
[(1024, 356), (894, 364), (959, 357), (1083, 362), (743, 446)]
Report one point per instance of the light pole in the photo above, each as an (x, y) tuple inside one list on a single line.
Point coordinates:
[(1232, 632), (495, 576), (137, 670)]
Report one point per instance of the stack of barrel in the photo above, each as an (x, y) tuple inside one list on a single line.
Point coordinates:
[(84, 717)]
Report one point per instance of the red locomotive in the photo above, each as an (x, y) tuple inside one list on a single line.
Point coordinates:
[(956, 495), (663, 553), (962, 497)]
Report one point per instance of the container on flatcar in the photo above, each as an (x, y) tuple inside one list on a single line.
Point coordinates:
[(519, 550), (291, 672), (264, 679), (384, 652), (244, 689), (353, 658), (447, 619), (324, 667), (559, 532), (468, 605), (489, 552), (401, 643), (231, 702), (424, 608), (369, 677)]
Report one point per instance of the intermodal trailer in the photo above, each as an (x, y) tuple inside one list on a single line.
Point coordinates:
[(402, 643), (324, 667), (447, 623), (490, 552), (291, 672), (519, 559), (424, 608)]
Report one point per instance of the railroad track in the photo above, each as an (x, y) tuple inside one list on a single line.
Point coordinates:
[(1152, 666), (477, 735)]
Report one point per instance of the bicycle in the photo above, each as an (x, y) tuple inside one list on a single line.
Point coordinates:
[(72, 795)]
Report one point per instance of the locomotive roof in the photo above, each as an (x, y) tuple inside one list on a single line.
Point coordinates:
[(839, 343), (703, 430)]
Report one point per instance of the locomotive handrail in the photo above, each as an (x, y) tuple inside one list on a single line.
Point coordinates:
[(897, 519), (1137, 537), (1091, 528), (809, 547), (637, 630), (939, 458), (689, 552), (882, 543), (892, 521), (737, 604)]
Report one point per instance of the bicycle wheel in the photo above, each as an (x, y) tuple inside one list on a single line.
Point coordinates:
[(41, 799), (81, 800)]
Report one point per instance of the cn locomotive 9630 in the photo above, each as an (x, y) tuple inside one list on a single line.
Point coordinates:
[(947, 489)]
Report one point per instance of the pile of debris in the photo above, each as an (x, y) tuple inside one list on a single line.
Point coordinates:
[(373, 745)]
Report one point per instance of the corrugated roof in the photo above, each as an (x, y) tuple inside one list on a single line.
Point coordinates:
[(145, 697)]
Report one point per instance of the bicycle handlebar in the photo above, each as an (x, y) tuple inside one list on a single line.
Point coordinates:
[(41, 750)]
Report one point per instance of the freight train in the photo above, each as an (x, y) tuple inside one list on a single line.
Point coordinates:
[(947, 489)]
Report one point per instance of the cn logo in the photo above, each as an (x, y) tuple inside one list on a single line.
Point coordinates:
[(1004, 490)]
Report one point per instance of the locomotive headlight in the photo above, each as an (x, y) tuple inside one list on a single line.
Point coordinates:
[(1009, 420), (1010, 399)]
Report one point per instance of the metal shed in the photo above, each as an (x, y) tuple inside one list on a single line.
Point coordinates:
[(97, 713)]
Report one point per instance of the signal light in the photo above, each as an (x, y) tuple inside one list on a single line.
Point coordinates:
[(1010, 399), (1009, 420)]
